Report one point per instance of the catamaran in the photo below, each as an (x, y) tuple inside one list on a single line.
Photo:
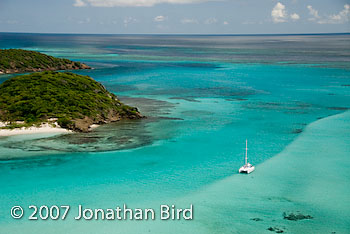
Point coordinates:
[(247, 167)]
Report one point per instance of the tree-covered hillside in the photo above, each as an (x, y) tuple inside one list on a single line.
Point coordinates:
[(18, 60), (76, 101)]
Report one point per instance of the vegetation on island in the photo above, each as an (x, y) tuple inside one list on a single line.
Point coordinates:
[(19, 61), (72, 101)]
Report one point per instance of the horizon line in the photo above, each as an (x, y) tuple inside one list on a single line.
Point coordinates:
[(187, 34)]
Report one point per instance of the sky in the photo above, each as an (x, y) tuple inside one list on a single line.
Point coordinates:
[(175, 16)]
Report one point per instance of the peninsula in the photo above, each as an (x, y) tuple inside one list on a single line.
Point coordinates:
[(20, 61), (60, 100)]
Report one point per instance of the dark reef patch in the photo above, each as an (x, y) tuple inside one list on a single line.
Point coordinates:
[(296, 216), (195, 65), (203, 92), (257, 219), (119, 88), (125, 134), (170, 118), (197, 113), (149, 107), (235, 99), (189, 99), (297, 131), (275, 229), (279, 199), (289, 107)]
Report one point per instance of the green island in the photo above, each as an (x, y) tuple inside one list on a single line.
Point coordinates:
[(20, 61), (69, 100)]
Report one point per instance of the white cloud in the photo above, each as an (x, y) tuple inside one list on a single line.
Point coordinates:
[(211, 20), (294, 16), (159, 18), (79, 3), (313, 13), (189, 21), (279, 13), (340, 18), (133, 3), (129, 20)]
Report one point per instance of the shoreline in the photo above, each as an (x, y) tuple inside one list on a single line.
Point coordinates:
[(44, 128)]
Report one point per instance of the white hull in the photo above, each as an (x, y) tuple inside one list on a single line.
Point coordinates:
[(246, 170)]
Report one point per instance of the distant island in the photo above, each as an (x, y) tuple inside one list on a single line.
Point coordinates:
[(59, 99), (20, 61)]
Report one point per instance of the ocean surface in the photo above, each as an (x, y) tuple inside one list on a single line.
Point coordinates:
[(203, 97)]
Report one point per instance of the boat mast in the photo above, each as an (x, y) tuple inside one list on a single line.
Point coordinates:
[(246, 152)]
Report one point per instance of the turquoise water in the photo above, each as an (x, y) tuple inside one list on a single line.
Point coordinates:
[(203, 97)]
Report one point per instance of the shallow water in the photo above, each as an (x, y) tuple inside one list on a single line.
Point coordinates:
[(203, 97)]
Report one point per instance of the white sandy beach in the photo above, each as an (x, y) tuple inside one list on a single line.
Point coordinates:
[(44, 128)]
